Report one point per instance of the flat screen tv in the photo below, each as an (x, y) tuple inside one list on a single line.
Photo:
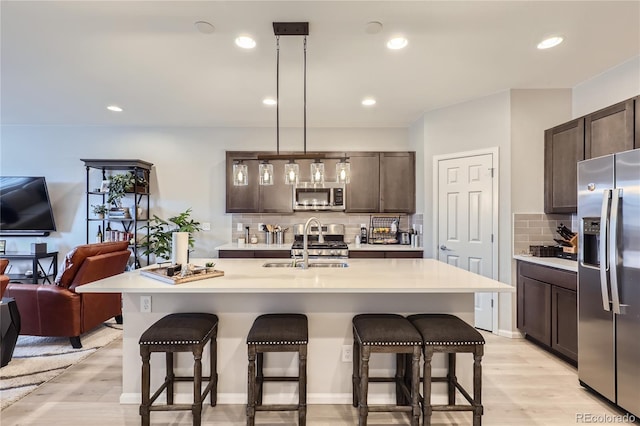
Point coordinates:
[(25, 209)]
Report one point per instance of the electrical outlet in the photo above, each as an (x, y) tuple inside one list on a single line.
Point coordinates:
[(206, 226), (239, 227), (145, 304), (260, 226), (347, 353)]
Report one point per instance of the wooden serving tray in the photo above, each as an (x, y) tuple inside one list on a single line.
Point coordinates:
[(160, 274)]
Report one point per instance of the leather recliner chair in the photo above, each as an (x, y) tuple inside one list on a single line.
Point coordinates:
[(4, 279), (57, 310)]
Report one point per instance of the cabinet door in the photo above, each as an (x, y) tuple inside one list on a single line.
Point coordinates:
[(353, 254), (397, 182), (363, 192), (534, 309), (276, 198), (609, 130), (242, 199), (564, 322), (563, 148)]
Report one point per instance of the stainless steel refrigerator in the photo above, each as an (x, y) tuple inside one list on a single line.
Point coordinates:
[(609, 277)]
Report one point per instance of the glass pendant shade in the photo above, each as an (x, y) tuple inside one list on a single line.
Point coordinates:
[(317, 172), (266, 174), (343, 172), (240, 174), (291, 173)]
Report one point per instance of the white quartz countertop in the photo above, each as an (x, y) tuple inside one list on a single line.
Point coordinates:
[(554, 262), (361, 276), (352, 247)]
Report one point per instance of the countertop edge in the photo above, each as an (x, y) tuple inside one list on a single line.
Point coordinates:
[(553, 262)]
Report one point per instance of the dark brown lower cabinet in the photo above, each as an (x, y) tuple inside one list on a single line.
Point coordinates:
[(547, 308), (254, 254), (390, 254)]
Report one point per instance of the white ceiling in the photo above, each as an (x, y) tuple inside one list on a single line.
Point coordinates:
[(63, 62)]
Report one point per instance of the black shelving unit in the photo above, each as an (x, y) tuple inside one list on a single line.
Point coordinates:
[(99, 170)]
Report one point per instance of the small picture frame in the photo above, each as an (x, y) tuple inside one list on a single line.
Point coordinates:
[(104, 186), (3, 245)]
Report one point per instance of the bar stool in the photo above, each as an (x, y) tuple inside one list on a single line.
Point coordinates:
[(386, 333), (277, 333), (181, 332), (444, 333)]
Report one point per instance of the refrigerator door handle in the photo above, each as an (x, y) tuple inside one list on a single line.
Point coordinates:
[(604, 260), (613, 249)]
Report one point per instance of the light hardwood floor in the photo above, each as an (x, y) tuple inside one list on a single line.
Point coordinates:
[(523, 385)]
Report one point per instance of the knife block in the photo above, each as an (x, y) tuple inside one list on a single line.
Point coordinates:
[(574, 245)]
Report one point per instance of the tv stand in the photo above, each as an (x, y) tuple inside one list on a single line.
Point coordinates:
[(38, 269)]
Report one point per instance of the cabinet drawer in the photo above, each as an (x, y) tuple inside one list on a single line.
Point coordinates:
[(558, 277)]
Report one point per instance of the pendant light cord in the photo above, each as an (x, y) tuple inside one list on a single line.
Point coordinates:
[(278, 95), (305, 94)]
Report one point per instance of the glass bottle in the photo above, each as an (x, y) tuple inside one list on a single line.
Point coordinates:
[(99, 235)]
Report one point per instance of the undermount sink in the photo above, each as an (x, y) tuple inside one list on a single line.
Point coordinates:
[(311, 265)]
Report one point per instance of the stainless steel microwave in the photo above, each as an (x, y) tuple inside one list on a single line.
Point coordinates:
[(328, 196)]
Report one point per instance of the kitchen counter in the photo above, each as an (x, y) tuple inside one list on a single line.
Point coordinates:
[(352, 247), (554, 262), (330, 297)]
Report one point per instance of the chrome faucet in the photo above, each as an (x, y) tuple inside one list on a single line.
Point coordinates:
[(305, 240)]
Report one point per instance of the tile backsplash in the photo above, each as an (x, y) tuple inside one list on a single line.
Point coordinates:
[(537, 229), (352, 222)]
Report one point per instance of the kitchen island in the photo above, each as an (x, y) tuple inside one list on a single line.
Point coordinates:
[(330, 297)]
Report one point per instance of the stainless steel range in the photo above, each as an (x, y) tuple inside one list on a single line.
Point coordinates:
[(333, 245)]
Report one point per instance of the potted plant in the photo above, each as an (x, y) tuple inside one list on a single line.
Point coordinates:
[(99, 210), (158, 242), (119, 185)]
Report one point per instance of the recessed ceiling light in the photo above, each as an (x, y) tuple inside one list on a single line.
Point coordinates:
[(368, 101), (245, 42), (114, 108), (550, 42), (269, 101), (373, 27), (397, 43), (204, 27)]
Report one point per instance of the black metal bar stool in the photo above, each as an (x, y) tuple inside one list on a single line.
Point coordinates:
[(386, 333), (277, 333), (182, 332), (449, 334)]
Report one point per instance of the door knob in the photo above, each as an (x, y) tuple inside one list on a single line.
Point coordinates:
[(444, 248)]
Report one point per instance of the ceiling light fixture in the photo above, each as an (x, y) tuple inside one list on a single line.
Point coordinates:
[(343, 171), (368, 101), (550, 42), (204, 27), (114, 108), (245, 42), (397, 43), (269, 101), (240, 174)]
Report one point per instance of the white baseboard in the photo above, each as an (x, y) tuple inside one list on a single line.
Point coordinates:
[(510, 334)]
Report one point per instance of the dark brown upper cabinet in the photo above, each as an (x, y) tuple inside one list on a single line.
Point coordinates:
[(397, 182), (363, 191), (242, 199), (609, 130), (276, 198), (563, 148)]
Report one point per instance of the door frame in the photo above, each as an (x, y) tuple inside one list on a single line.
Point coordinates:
[(495, 152)]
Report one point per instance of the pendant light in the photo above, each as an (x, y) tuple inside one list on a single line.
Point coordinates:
[(317, 172), (343, 171), (266, 173), (240, 174), (291, 172)]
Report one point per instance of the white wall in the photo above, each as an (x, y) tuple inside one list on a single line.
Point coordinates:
[(532, 112), (189, 167), (615, 85), (416, 143)]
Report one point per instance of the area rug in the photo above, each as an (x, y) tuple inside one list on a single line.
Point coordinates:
[(37, 360)]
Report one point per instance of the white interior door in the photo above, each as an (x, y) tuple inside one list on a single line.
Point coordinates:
[(465, 222)]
